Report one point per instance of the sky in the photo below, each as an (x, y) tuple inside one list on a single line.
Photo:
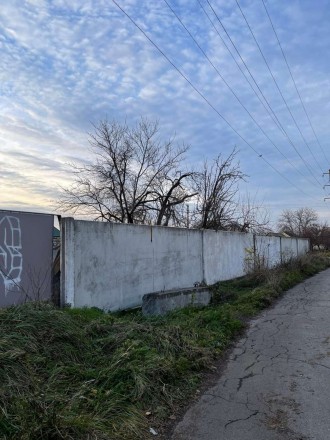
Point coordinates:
[(212, 72)]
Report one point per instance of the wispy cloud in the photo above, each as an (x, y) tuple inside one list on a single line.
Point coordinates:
[(66, 65)]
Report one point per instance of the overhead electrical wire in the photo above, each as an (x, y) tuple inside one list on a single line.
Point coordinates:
[(294, 82), (275, 118), (276, 84), (269, 109), (206, 100), (235, 94)]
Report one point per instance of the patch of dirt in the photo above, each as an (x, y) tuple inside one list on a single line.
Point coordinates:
[(281, 410)]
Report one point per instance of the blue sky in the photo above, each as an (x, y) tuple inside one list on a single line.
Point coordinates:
[(67, 65)]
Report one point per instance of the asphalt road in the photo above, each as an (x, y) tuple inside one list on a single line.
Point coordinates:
[(276, 385)]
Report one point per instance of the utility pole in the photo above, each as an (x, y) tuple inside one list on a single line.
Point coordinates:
[(328, 173)]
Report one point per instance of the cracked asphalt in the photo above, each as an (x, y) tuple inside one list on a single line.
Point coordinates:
[(276, 384)]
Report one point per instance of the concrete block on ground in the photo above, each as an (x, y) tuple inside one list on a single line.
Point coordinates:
[(159, 303)]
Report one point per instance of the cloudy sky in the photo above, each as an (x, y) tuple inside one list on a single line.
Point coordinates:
[(65, 65)]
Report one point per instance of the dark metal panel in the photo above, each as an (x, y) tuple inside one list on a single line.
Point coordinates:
[(25, 256)]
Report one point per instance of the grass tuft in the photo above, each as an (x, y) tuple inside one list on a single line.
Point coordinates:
[(85, 374)]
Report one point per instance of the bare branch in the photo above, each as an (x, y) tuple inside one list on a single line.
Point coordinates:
[(217, 185), (129, 180)]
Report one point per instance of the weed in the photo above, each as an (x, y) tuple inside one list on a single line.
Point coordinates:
[(85, 374)]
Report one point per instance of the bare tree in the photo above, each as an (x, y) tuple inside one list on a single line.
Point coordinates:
[(319, 235), (172, 193), (297, 222), (136, 178), (304, 222), (323, 237), (252, 216), (216, 187)]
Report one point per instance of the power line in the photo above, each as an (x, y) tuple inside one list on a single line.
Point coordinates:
[(277, 121), (275, 82), (233, 92), (269, 109), (294, 82), (206, 100)]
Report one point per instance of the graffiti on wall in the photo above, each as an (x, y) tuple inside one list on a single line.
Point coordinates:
[(11, 258), (25, 257)]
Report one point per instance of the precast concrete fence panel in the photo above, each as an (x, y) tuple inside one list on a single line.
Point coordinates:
[(288, 248), (226, 254), (302, 246), (267, 251), (112, 265)]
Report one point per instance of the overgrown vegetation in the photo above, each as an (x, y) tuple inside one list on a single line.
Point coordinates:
[(84, 374)]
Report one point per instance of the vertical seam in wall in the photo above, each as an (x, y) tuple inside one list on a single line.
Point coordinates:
[(203, 258), (62, 263), (254, 252), (68, 262), (297, 247), (153, 268), (73, 263)]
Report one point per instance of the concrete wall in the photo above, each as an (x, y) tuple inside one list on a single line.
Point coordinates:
[(302, 246), (226, 254), (289, 248), (111, 266), (267, 250), (159, 303), (25, 257)]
